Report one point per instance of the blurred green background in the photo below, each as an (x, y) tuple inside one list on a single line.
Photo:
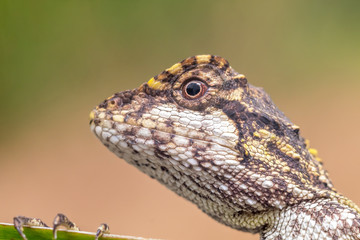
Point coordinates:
[(59, 59)]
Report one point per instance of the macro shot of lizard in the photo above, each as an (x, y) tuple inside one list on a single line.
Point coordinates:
[(204, 132)]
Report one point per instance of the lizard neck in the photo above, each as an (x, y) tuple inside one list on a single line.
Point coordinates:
[(316, 219), (320, 219)]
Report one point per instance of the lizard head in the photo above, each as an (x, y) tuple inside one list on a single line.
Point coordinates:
[(203, 131)]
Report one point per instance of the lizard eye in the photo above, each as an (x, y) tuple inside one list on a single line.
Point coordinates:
[(194, 89)]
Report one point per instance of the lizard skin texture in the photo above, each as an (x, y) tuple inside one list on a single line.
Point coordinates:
[(204, 132)]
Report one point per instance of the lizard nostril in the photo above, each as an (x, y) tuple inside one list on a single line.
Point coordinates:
[(111, 104), (114, 103)]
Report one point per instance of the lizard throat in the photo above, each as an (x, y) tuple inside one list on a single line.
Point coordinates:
[(196, 169)]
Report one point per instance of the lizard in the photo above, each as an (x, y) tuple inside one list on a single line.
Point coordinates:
[(204, 132)]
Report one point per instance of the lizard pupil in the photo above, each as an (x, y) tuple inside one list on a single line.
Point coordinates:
[(193, 88)]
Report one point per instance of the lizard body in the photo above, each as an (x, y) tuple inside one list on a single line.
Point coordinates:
[(204, 132)]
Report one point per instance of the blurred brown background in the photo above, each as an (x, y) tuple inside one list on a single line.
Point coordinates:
[(58, 59)]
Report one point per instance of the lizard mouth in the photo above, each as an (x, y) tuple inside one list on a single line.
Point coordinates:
[(123, 138), (182, 163)]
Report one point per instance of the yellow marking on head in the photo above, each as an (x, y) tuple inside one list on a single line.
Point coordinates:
[(188, 61), (240, 76), (221, 61), (313, 152), (264, 133), (256, 134), (203, 58), (246, 153), (288, 150), (175, 69), (295, 127), (92, 115), (295, 155), (152, 83)]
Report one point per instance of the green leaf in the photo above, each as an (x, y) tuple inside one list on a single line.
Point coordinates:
[(7, 231)]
